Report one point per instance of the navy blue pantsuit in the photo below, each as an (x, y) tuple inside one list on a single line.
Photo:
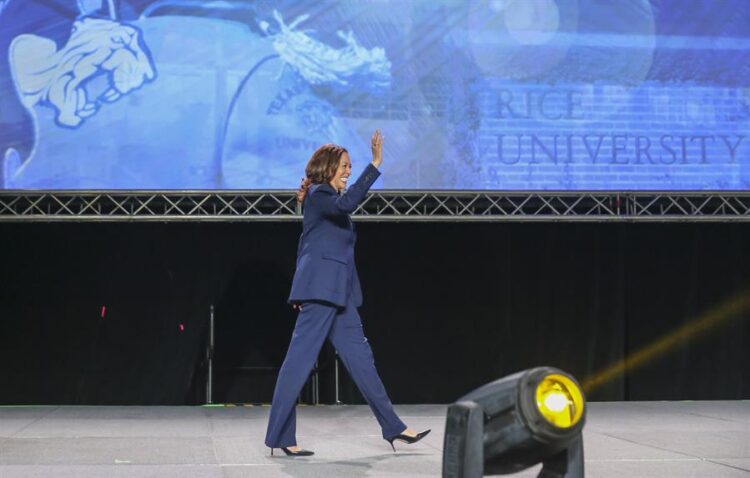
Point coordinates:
[(315, 323), (327, 286)]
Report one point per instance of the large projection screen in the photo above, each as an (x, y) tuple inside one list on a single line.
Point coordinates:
[(470, 95)]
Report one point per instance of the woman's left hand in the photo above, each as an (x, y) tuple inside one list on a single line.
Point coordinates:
[(376, 145)]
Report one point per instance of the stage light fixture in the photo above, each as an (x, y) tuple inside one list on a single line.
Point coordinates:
[(533, 416)]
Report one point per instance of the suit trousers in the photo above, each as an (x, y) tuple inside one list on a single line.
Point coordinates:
[(343, 327)]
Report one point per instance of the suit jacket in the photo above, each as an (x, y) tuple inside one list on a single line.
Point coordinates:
[(325, 255)]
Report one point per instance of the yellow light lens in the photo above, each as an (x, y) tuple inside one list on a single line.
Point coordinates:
[(559, 400)]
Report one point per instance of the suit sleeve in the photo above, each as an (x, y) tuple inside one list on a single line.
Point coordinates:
[(331, 204)]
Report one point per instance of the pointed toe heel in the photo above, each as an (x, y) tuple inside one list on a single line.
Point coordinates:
[(408, 439), (299, 452)]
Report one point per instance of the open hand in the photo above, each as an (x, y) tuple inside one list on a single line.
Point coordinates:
[(376, 145)]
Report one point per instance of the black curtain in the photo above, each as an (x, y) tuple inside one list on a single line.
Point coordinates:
[(448, 307)]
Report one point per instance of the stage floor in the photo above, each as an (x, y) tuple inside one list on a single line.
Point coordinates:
[(631, 439)]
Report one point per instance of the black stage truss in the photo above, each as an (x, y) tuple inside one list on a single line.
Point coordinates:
[(382, 205)]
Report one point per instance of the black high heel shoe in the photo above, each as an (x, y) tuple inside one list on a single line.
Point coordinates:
[(408, 439), (299, 452)]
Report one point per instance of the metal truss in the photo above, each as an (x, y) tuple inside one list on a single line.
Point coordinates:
[(378, 206)]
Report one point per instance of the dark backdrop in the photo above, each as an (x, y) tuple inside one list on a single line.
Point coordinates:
[(448, 307)]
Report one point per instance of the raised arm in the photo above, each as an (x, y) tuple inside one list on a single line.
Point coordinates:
[(325, 198)]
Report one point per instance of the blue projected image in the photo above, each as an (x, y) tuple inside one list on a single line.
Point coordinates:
[(485, 94)]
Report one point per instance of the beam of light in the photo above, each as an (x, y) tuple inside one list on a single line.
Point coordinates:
[(625, 41), (732, 308), (112, 10)]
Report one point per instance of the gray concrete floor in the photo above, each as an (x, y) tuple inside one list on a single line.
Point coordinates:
[(632, 439)]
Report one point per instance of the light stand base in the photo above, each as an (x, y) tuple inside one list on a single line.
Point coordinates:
[(566, 464), (463, 448)]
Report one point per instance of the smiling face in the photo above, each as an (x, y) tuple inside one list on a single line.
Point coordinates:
[(343, 171)]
